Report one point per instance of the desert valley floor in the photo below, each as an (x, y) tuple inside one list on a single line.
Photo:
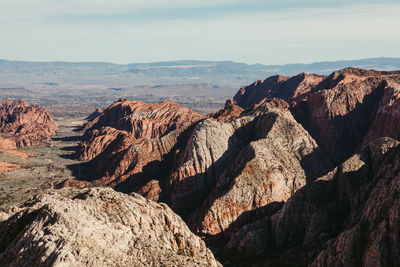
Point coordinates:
[(41, 166)]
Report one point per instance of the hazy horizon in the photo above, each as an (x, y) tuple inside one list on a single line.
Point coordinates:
[(267, 32), (198, 60)]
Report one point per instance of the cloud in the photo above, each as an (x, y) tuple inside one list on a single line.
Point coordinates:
[(143, 31)]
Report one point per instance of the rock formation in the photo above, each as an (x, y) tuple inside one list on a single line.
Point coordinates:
[(97, 227), (130, 144), (349, 217), (257, 180), (342, 111), (25, 125), (290, 89), (339, 115), (230, 167)]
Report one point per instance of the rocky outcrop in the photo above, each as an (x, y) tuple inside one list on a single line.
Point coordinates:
[(98, 227), (387, 114), (339, 115), (290, 89), (130, 144), (342, 111), (25, 125), (349, 217), (230, 112), (230, 167)]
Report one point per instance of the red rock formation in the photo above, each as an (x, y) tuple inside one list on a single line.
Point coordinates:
[(339, 114), (130, 142), (230, 112), (24, 124), (349, 217), (386, 119), (337, 110), (290, 89), (144, 120)]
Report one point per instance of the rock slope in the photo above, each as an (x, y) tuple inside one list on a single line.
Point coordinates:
[(342, 111), (230, 167), (290, 89), (349, 217), (339, 115), (130, 143), (98, 227), (25, 125)]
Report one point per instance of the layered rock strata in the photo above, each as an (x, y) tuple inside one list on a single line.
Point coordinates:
[(24, 125), (130, 144), (228, 168), (349, 217), (342, 111)]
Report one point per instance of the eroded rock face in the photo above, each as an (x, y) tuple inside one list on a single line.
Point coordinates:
[(131, 143), (230, 167), (342, 111), (290, 89), (230, 112), (25, 125), (387, 114), (349, 217), (339, 115), (98, 227)]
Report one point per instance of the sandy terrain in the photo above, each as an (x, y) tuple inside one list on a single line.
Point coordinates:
[(39, 166)]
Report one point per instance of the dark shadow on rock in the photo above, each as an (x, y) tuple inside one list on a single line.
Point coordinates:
[(345, 133), (156, 170), (315, 164), (331, 206), (82, 171), (192, 199)]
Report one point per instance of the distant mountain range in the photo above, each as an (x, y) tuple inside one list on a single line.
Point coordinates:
[(171, 72)]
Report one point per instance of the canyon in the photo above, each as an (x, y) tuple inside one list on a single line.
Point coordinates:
[(293, 171)]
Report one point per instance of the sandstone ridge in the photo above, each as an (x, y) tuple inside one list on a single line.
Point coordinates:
[(130, 144), (97, 227), (24, 125), (230, 167), (342, 111)]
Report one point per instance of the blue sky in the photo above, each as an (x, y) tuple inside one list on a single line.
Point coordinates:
[(252, 31)]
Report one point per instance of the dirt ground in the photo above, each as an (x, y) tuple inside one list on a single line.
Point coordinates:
[(47, 163)]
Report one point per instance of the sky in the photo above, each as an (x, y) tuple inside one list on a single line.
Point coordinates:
[(249, 31)]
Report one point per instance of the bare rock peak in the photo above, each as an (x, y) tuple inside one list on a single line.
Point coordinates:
[(98, 227)]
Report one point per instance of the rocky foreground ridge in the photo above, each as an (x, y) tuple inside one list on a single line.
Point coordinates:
[(24, 125), (98, 227)]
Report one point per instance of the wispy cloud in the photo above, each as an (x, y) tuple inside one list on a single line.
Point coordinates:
[(249, 31)]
